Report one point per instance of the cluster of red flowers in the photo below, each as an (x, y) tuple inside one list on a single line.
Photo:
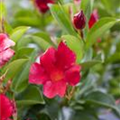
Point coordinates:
[(57, 68)]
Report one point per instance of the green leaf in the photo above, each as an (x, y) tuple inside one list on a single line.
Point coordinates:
[(89, 64), (62, 18), (18, 32), (23, 52), (102, 99), (14, 67), (113, 58), (83, 115), (99, 29), (40, 42), (30, 96), (76, 45), (2, 10), (43, 116), (45, 36), (86, 6), (20, 82), (27, 21)]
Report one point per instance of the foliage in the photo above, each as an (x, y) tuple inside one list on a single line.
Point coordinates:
[(34, 32)]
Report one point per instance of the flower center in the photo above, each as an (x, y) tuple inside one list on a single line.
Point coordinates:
[(56, 76)]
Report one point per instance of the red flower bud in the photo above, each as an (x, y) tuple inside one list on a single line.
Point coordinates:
[(93, 18), (42, 5), (79, 20)]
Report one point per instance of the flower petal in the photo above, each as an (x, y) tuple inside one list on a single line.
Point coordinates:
[(5, 42), (51, 89), (93, 18), (73, 75), (65, 56), (47, 60), (6, 107), (37, 74), (5, 56)]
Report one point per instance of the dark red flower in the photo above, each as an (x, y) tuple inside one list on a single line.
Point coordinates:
[(93, 18), (57, 69), (42, 5), (5, 52), (79, 20), (6, 108)]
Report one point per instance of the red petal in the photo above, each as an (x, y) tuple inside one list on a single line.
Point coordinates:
[(65, 56), (53, 89), (47, 60), (93, 18), (73, 75), (5, 42), (37, 74), (5, 56), (6, 107)]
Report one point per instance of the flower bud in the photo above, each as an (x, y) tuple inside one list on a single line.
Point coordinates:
[(93, 18), (79, 20), (42, 5)]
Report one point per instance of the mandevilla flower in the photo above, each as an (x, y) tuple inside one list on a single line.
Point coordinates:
[(93, 18), (79, 20), (42, 5), (5, 52), (56, 70), (6, 108)]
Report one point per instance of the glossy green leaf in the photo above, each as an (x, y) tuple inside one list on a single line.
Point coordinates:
[(89, 64), (30, 96), (20, 81), (102, 99), (23, 52), (18, 32), (45, 36), (40, 42), (99, 29), (14, 67), (62, 18)]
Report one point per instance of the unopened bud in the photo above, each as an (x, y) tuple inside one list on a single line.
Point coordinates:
[(79, 20)]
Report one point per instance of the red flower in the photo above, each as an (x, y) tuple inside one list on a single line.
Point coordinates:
[(93, 18), (42, 5), (6, 107), (57, 69), (5, 52), (79, 20)]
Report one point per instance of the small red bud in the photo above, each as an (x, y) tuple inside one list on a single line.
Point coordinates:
[(42, 5), (79, 20)]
